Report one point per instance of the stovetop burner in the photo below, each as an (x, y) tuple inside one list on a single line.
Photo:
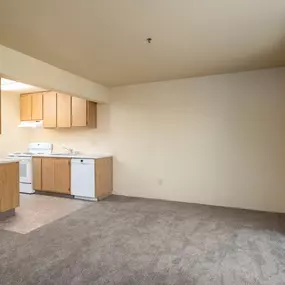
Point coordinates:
[(34, 149), (26, 153)]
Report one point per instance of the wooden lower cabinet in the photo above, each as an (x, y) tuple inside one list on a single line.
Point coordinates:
[(48, 174), (62, 175), (103, 177), (51, 174), (9, 186)]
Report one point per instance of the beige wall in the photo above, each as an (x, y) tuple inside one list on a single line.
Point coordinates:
[(82, 139), (215, 140), (12, 138)]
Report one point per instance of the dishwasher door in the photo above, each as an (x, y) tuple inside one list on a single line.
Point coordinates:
[(83, 178)]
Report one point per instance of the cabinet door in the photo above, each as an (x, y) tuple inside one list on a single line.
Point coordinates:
[(37, 106), (9, 182), (91, 114), (104, 176), (26, 107), (48, 174), (63, 110), (49, 109), (62, 175), (78, 112), (37, 173)]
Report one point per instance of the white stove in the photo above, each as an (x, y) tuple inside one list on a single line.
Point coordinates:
[(26, 173), (20, 154)]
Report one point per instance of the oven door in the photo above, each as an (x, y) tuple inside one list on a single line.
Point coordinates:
[(26, 170)]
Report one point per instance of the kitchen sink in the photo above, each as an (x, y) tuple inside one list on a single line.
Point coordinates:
[(63, 154)]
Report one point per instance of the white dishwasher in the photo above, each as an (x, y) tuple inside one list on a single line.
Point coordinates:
[(83, 178)]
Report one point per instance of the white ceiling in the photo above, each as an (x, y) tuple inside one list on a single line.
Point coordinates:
[(104, 40)]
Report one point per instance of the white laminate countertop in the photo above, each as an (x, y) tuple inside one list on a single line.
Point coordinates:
[(8, 160), (79, 156)]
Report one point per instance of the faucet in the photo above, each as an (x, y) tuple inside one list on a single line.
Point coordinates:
[(70, 150)]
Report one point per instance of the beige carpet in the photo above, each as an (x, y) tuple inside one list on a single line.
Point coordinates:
[(131, 241)]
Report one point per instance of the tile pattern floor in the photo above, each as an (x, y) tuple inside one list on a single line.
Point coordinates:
[(36, 211)]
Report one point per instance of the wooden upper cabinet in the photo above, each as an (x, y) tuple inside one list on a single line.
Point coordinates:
[(31, 107), (58, 110), (84, 113), (79, 112), (63, 110), (50, 109), (25, 107), (37, 106), (62, 175), (37, 173), (91, 117)]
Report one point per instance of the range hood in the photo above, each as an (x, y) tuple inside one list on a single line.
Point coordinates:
[(31, 124)]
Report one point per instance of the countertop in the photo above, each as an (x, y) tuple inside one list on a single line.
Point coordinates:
[(79, 156), (8, 160)]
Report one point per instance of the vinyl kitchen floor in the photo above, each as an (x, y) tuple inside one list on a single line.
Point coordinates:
[(36, 211)]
